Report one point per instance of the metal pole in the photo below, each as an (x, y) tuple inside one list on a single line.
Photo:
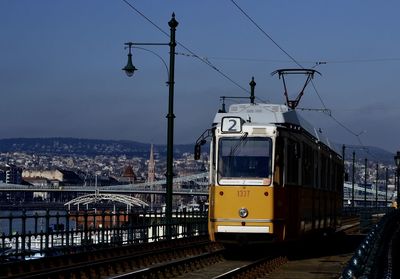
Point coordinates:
[(170, 133), (386, 184), (376, 186), (395, 183), (252, 85), (343, 152), (352, 179), (365, 182), (343, 161), (398, 186)]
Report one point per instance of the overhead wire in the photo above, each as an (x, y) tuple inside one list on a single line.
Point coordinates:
[(266, 34), (205, 61), (315, 63), (298, 64), (208, 63)]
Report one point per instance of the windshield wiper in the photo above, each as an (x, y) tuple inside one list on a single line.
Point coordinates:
[(235, 148)]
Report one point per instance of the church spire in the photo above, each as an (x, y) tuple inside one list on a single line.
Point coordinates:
[(151, 166)]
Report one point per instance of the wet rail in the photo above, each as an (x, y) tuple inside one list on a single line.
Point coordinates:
[(108, 262), (196, 257)]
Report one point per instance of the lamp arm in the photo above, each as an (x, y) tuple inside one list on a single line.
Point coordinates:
[(156, 54)]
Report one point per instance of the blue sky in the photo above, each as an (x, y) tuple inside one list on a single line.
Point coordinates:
[(60, 66)]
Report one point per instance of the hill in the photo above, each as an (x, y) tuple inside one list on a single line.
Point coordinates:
[(372, 153), (88, 147), (95, 147)]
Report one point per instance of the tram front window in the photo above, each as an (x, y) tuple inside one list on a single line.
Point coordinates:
[(244, 158)]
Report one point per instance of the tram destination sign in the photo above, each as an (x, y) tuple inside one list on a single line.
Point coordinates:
[(231, 125)]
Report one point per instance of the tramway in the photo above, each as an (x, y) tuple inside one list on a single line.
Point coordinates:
[(273, 176)]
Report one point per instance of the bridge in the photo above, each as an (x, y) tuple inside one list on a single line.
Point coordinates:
[(141, 188), (371, 194), (200, 179)]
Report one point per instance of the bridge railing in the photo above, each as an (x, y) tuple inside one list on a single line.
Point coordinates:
[(37, 234), (372, 258)]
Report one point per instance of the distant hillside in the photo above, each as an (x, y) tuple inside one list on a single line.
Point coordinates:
[(88, 147), (94, 147), (372, 153)]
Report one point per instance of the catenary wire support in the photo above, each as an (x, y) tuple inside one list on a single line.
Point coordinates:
[(293, 103)]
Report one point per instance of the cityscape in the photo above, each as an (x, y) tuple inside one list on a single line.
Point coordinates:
[(72, 162), (60, 165), (171, 139)]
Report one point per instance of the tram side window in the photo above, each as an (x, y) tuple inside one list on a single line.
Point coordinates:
[(329, 174), (278, 170), (338, 177), (316, 169), (334, 175), (308, 165), (324, 166), (292, 162)]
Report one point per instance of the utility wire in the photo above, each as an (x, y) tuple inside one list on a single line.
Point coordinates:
[(319, 96), (205, 61), (371, 60), (266, 34), (145, 17), (208, 63), (314, 62), (297, 63)]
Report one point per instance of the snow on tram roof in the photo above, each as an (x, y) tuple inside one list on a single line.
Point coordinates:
[(276, 114)]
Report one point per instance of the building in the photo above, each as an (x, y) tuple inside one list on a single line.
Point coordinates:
[(57, 177), (128, 176), (10, 174)]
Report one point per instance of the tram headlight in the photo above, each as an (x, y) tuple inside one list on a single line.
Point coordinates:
[(243, 212)]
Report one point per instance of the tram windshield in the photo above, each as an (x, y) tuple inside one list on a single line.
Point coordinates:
[(246, 160)]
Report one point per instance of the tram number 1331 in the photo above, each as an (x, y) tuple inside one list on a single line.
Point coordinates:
[(243, 193)]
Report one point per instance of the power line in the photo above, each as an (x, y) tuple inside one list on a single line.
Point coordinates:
[(319, 96), (145, 17), (314, 62), (205, 61), (208, 63), (296, 62), (266, 34), (371, 60)]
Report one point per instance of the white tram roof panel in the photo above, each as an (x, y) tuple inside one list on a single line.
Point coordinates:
[(272, 114)]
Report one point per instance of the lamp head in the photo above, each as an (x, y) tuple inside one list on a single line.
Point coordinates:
[(129, 68)]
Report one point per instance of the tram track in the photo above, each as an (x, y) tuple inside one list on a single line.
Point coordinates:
[(350, 225), (109, 262), (194, 257), (254, 269)]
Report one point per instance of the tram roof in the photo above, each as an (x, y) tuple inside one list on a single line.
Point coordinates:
[(275, 114)]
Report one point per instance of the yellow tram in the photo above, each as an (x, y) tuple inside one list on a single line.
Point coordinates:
[(273, 176)]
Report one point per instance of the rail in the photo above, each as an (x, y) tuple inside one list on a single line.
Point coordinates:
[(372, 257)]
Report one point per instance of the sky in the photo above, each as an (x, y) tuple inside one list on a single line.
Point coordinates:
[(61, 61)]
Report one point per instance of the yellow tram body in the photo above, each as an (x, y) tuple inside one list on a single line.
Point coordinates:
[(273, 177)]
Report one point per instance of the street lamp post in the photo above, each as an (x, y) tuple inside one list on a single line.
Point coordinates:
[(365, 182), (386, 188), (376, 186), (352, 179), (129, 70), (397, 161)]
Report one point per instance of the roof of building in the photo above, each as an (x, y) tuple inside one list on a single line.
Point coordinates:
[(128, 172)]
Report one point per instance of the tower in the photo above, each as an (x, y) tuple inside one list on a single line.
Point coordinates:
[(151, 166), (151, 174)]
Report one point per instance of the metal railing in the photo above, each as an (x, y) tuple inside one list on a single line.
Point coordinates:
[(27, 235), (371, 257)]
